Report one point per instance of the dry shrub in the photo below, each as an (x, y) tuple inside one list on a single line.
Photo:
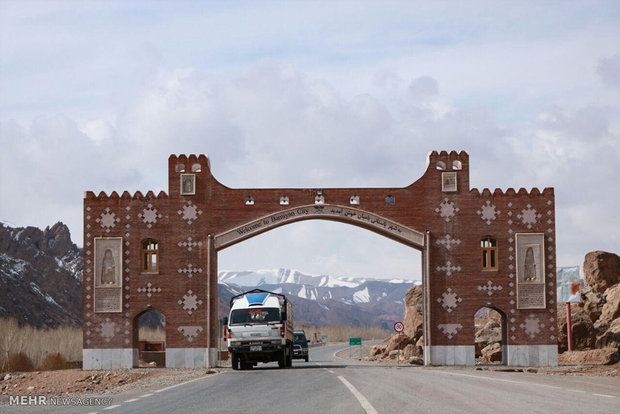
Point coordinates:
[(54, 362), (343, 333), (19, 362), (146, 333), (38, 343)]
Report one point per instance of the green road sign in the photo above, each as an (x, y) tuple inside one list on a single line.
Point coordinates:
[(355, 341)]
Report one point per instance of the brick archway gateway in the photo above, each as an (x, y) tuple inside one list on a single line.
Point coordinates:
[(479, 248)]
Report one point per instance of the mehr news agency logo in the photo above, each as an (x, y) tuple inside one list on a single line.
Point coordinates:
[(44, 400)]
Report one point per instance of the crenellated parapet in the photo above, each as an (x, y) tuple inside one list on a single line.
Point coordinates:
[(510, 192), (102, 196)]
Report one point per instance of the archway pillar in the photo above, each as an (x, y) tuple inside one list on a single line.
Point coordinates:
[(212, 302)]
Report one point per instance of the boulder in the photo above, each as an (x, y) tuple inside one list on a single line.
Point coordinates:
[(604, 356), (592, 302), (490, 333), (416, 360), (601, 270), (393, 354), (584, 333), (611, 337), (492, 352), (412, 351), (377, 350), (413, 312), (610, 310)]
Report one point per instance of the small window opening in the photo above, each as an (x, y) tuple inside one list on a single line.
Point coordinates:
[(249, 201), (180, 167), (390, 200), (284, 201), (196, 167), (488, 250), (457, 165), (354, 199), (440, 165), (150, 256)]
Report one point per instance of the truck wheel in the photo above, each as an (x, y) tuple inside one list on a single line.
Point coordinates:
[(282, 359), (289, 358), (246, 365), (307, 358), (234, 358)]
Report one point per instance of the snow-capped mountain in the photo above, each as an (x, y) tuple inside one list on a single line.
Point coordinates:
[(40, 276), (320, 287), (326, 299)]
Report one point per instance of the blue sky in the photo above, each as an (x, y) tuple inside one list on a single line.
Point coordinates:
[(96, 95)]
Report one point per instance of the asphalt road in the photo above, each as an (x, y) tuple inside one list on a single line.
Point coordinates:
[(328, 384)]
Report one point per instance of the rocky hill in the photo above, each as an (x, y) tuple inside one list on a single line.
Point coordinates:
[(40, 276)]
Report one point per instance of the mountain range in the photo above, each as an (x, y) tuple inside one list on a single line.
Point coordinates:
[(41, 285)]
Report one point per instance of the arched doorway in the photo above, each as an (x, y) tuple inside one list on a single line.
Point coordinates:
[(376, 246), (149, 337), (490, 336)]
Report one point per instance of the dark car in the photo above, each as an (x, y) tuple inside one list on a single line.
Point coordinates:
[(300, 345)]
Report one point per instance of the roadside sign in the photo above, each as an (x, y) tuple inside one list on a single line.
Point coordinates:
[(355, 341), (569, 283), (399, 327)]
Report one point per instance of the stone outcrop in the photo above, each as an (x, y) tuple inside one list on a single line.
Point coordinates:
[(413, 312), (411, 340), (611, 337), (492, 353), (40, 276), (596, 320), (601, 270), (584, 334)]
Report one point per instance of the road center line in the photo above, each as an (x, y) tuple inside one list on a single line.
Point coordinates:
[(363, 401), (605, 395), (146, 395), (132, 400), (112, 407)]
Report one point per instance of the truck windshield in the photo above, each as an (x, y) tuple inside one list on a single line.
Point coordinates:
[(254, 315)]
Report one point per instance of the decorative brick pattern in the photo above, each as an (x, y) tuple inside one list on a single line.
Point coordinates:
[(190, 302), (450, 330), (449, 300), (190, 270), (488, 213), (190, 332), (149, 216), (149, 290), (447, 210), (189, 212), (447, 242), (449, 268), (489, 288)]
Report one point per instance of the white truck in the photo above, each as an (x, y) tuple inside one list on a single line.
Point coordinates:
[(260, 329)]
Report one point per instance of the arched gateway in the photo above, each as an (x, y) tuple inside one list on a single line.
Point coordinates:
[(479, 249)]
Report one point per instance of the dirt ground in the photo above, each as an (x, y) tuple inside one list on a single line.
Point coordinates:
[(76, 381), (612, 370)]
